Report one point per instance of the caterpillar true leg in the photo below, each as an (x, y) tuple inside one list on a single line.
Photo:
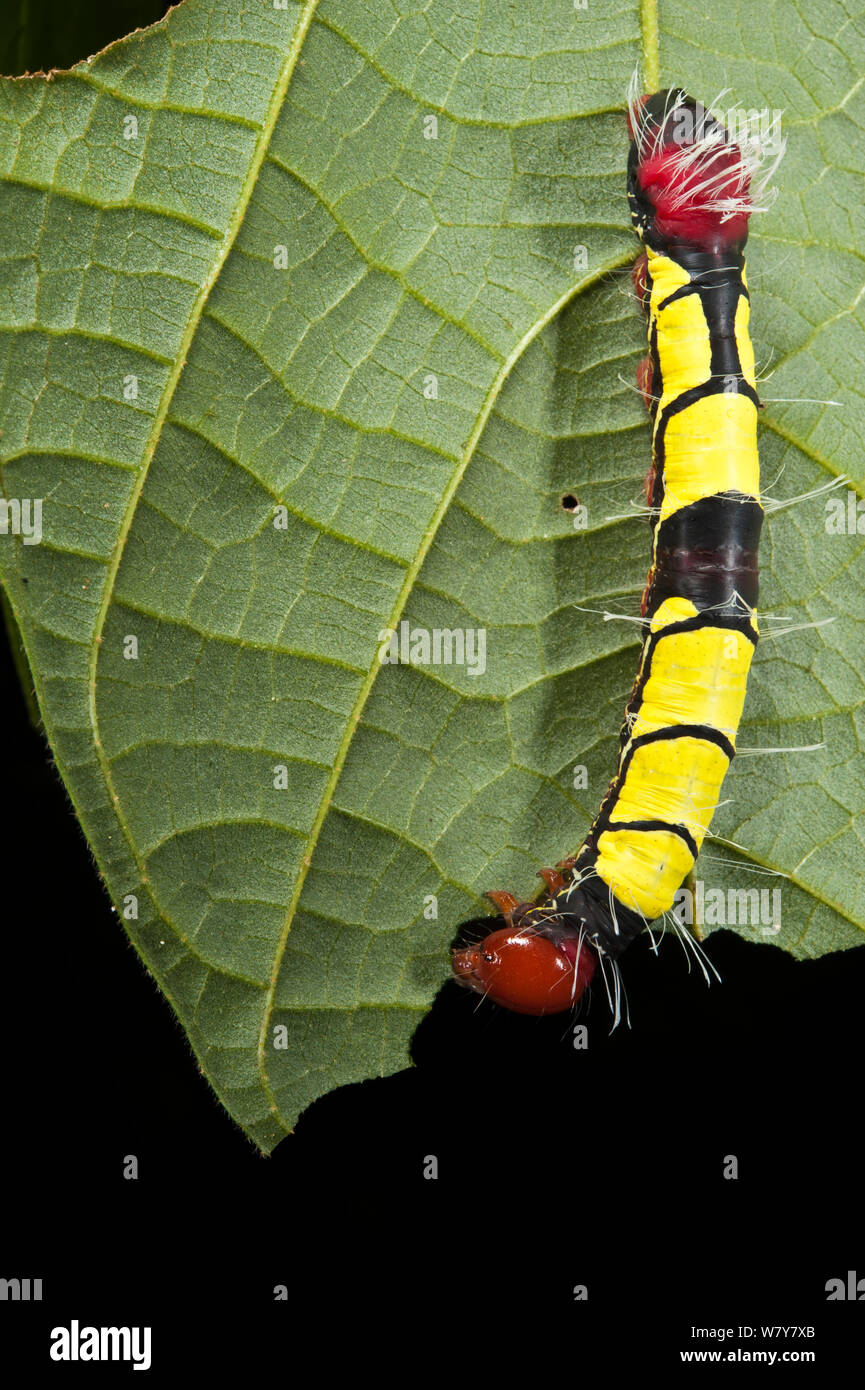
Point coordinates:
[(691, 190)]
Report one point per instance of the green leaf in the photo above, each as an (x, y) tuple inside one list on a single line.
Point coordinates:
[(301, 353)]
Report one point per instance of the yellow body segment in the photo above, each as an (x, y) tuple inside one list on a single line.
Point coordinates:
[(673, 780), (710, 447), (704, 671), (692, 679), (640, 868)]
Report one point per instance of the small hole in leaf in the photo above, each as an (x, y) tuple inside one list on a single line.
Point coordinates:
[(570, 502)]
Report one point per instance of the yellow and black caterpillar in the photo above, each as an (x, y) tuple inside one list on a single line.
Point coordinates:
[(690, 190)]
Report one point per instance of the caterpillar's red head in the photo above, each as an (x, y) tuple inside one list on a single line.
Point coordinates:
[(688, 181), (526, 971)]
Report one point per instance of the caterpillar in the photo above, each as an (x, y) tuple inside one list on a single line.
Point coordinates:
[(691, 191)]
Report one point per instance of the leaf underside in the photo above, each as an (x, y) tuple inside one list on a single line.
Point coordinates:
[(291, 288)]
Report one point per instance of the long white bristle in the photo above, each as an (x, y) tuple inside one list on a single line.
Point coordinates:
[(749, 176)]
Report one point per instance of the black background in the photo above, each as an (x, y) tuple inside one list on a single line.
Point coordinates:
[(556, 1167)]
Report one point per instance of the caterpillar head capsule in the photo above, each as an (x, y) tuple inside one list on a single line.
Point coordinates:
[(525, 971)]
